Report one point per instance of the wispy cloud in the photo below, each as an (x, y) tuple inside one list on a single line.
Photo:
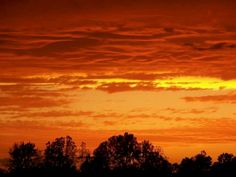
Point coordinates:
[(226, 98), (153, 69)]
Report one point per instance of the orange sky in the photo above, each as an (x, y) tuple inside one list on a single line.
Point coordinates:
[(163, 70)]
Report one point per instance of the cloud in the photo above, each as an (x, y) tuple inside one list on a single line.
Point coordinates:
[(121, 87), (57, 56), (108, 115), (191, 111), (114, 46), (209, 47), (31, 102), (209, 132), (55, 48), (227, 98), (33, 124), (109, 123), (55, 114), (30, 95)]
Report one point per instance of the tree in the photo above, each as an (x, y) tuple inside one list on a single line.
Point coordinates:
[(119, 151), (83, 154), (153, 163), (225, 158), (203, 163), (24, 157), (186, 167), (198, 166), (122, 155), (83, 151), (2, 173), (60, 154), (225, 166), (116, 155)]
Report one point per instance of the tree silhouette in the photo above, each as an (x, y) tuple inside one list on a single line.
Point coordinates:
[(2, 173), (225, 158), (83, 154), (225, 166), (186, 167), (83, 151), (152, 162), (198, 166), (98, 164), (122, 155), (203, 163), (24, 158), (60, 155), (117, 153)]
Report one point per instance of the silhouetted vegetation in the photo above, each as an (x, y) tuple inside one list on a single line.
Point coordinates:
[(60, 157), (119, 156), (225, 166), (24, 159), (123, 156), (200, 165)]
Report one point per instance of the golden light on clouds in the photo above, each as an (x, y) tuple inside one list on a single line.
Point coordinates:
[(189, 82), (165, 71)]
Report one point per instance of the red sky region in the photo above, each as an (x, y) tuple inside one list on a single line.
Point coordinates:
[(164, 70)]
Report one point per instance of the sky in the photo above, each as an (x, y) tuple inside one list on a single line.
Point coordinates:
[(163, 70)]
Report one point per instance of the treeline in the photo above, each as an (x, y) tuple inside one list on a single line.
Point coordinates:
[(119, 156)]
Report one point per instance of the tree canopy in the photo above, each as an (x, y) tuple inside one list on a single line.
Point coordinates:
[(24, 157), (60, 154), (121, 155)]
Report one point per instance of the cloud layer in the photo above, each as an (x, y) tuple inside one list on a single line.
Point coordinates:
[(162, 69)]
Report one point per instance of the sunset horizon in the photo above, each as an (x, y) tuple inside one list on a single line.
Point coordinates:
[(164, 71)]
